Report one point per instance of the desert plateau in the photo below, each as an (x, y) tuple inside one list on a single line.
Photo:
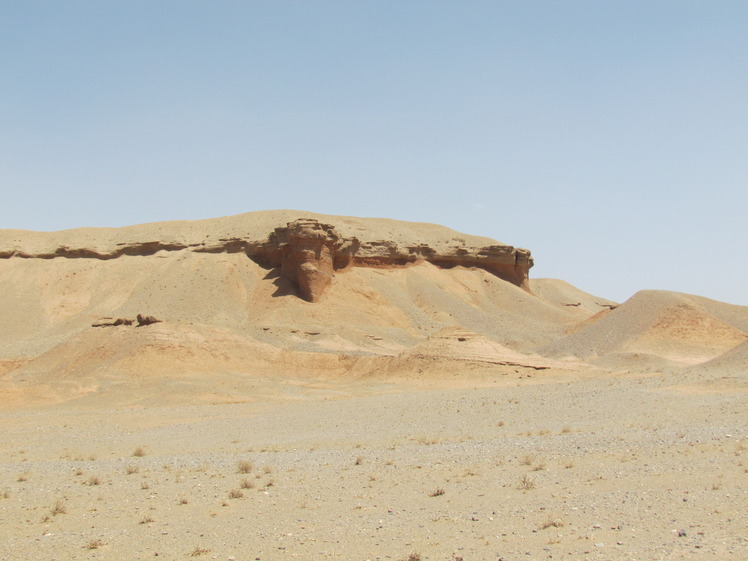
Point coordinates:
[(288, 385)]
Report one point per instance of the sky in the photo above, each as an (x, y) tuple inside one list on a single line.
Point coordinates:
[(609, 138)]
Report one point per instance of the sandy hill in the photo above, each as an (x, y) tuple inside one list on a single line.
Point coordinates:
[(288, 293), (656, 327)]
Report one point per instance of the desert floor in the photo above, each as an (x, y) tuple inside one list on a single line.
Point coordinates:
[(602, 467)]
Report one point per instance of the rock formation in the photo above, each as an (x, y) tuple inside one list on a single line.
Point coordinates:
[(306, 251), (309, 252)]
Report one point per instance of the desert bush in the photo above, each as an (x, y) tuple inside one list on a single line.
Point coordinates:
[(540, 466), (526, 483), (58, 507), (551, 523), (139, 452), (94, 544), (437, 492), (244, 466)]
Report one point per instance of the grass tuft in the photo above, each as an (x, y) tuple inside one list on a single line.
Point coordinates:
[(526, 483)]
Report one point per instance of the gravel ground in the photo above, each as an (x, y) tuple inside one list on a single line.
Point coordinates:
[(601, 468)]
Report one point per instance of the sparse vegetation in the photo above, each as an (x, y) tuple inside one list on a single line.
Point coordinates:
[(526, 483), (551, 522), (437, 492), (139, 452), (359, 461), (94, 544), (527, 460), (247, 484), (144, 485), (146, 520), (58, 507), (93, 480), (427, 441), (129, 470), (236, 494), (198, 551), (244, 466), (183, 501)]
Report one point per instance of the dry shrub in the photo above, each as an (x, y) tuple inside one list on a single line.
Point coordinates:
[(526, 483), (551, 523), (58, 507), (94, 544), (244, 466)]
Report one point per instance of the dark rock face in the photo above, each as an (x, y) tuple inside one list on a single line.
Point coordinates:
[(307, 259), (146, 320)]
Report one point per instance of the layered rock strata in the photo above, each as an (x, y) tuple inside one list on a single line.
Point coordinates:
[(307, 253)]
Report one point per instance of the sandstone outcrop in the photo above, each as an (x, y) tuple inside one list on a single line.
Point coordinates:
[(307, 252)]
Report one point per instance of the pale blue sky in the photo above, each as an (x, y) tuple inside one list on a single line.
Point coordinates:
[(608, 137)]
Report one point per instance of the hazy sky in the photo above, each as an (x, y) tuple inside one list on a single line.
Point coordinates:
[(608, 137)]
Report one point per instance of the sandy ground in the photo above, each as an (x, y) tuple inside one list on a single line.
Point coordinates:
[(601, 467)]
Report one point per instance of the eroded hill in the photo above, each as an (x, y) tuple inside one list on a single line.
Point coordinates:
[(291, 294)]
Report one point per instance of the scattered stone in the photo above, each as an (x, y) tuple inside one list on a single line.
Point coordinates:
[(146, 320), (111, 322)]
